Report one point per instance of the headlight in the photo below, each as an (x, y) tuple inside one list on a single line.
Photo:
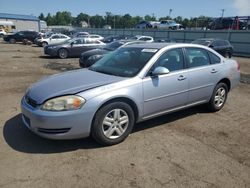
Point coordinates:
[(95, 57), (65, 103)]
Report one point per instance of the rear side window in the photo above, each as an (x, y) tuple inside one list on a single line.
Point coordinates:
[(214, 58), (197, 57)]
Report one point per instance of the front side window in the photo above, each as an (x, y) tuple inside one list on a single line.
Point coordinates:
[(172, 60), (197, 57), (125, 62)]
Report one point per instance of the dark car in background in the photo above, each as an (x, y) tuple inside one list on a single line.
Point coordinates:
[(146, 24), (226, 23), (21, 36), (72, 48), (223, 47), (113, 38), (90, 57)]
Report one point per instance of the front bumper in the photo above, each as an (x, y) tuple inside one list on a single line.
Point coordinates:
[(57, 125), (49, 51)]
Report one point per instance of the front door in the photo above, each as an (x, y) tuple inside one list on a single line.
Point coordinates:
[(166, 92)]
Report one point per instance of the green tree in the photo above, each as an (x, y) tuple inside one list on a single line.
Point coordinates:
[(80, 18), (41, 16), (49, 19)]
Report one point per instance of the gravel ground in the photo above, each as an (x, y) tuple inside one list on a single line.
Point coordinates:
[(191, 148)]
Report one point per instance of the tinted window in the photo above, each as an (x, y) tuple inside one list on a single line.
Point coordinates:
[(172, 60), (197, 57), (55, 37), (145, 38), (214, 58)]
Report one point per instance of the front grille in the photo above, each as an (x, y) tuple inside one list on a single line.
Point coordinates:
[(31, 102), (53, 131)]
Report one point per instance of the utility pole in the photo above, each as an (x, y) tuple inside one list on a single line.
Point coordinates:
[(222, 12), (170, 11)]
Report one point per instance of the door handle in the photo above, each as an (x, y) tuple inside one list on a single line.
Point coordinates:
[(214, 71), (181, 77)]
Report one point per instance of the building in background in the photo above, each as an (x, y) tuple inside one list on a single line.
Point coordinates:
[(17, 22)]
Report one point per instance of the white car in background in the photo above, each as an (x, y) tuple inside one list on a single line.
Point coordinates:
[(143, 38), (95, 37), (2, 32), (53, 39)]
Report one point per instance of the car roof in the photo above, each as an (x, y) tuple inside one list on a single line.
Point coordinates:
[(210, 39), (160, 45)]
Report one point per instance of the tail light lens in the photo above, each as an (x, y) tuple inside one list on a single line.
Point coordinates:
[(238, 66)]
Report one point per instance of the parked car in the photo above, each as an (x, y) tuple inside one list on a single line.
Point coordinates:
[(113, 38), (90, 57), (226, 23), (107, 27), (143, 38), (21, 36), (53, 39), (2, 32), (95, 37), (72, 48), (146, 24), (80, 34), (133, 84), (42, 36), (169, 40), (221, 46), (169, 24)]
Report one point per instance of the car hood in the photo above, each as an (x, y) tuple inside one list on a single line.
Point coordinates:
[(69, 83), (99, 51)]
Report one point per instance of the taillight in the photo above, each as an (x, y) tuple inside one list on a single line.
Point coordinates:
[(238, 66)]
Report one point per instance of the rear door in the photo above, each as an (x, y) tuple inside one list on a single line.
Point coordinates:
[(202, 75), (166, 92)]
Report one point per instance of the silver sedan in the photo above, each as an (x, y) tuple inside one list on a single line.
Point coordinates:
[(132, 84)]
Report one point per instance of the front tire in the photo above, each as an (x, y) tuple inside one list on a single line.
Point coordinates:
[(113, 123), (63, 53), (44, 44), (218, 98), (12, 41)]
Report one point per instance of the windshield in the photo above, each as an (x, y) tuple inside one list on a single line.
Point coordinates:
[(202, 42), (114, 45), (125, 62)]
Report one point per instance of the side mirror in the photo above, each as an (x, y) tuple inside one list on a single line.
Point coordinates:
[(159, 71), (211, 46)]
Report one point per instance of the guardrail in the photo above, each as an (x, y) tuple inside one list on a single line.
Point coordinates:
[(239, 39)]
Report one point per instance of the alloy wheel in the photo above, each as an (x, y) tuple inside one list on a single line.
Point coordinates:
[(115, 123), (220, 97)]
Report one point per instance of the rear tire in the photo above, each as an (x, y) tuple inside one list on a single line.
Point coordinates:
[(63, 53), (113, 123), (218, 98), (12, 41)]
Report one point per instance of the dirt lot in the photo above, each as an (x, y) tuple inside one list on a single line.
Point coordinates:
[(191, 148)]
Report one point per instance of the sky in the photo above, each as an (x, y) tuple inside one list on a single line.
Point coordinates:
[(159, 8)]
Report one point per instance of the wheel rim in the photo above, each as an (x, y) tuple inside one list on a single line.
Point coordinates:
[(115, 123), (63, 53), (220, 96), (44, 44)]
